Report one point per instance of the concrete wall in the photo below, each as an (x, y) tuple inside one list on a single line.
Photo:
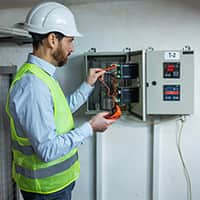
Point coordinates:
[(126, 146)]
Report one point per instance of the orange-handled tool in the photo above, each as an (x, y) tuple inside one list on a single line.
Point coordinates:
[(115, 114), (110, 67)]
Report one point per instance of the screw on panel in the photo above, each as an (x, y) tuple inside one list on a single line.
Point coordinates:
[(187, 48), (126, 49), (150, 49), (92, 50)]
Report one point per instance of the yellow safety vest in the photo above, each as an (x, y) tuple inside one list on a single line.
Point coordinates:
[(29, 172)]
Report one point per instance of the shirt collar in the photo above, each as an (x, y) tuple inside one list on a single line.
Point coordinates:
[(49, 68)]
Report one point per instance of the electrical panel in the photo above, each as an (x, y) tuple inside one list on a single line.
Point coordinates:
[(144, 83), (118, 84), (170, 78)]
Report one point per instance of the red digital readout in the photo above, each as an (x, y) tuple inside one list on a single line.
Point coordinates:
[(172, 92), (170, 68)]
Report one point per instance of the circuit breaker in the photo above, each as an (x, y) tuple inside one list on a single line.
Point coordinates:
[(144, 83)]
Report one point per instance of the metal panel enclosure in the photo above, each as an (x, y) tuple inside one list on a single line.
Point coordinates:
[(170, 79), (163, 82)]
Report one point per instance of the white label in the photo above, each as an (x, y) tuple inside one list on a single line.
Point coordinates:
[(172, 55)]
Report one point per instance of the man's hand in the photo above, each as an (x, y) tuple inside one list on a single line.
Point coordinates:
[(94, 74), (99, 123)]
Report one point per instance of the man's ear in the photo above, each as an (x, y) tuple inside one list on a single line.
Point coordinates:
[(52, 40)]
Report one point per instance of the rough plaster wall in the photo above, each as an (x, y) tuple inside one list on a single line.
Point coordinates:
[(111, 27)]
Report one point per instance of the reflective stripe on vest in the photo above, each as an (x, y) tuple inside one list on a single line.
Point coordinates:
[(26, 150), (46, 172)]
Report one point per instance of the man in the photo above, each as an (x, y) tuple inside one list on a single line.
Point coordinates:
[(45, 158)]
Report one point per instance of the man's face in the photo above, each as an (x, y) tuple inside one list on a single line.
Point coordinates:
[(63, 50)]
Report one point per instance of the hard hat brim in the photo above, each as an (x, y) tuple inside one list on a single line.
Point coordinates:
[(34, 29)]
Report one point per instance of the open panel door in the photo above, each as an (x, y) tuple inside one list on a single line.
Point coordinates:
[(139, 108)]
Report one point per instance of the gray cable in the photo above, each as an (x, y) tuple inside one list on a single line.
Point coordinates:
[(186, 174)]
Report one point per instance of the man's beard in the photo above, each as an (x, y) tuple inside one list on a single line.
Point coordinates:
[(60, 57)]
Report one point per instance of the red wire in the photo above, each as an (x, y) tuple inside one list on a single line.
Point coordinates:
[(108, 89), (113, 96)]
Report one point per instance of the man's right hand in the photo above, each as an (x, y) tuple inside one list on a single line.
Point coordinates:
[(94, 74), (99, 123)]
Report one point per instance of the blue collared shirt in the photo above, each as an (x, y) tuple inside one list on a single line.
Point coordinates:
[(31, 106)]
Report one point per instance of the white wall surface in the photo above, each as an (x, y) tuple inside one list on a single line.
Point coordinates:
[(126, 160)]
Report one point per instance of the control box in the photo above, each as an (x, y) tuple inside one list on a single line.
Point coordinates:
[(170, 79), (144, 83)]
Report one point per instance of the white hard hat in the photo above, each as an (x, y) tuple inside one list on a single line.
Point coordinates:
[(51, 17)]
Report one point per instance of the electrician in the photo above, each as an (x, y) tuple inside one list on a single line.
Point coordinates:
[(45, 141)]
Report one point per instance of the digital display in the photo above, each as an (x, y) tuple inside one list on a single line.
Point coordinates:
[(171, 92), (171, 70)]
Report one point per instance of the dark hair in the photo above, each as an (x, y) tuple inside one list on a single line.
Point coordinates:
[(37, 38)]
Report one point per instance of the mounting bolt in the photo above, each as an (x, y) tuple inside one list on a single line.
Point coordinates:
[(93, 50)]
